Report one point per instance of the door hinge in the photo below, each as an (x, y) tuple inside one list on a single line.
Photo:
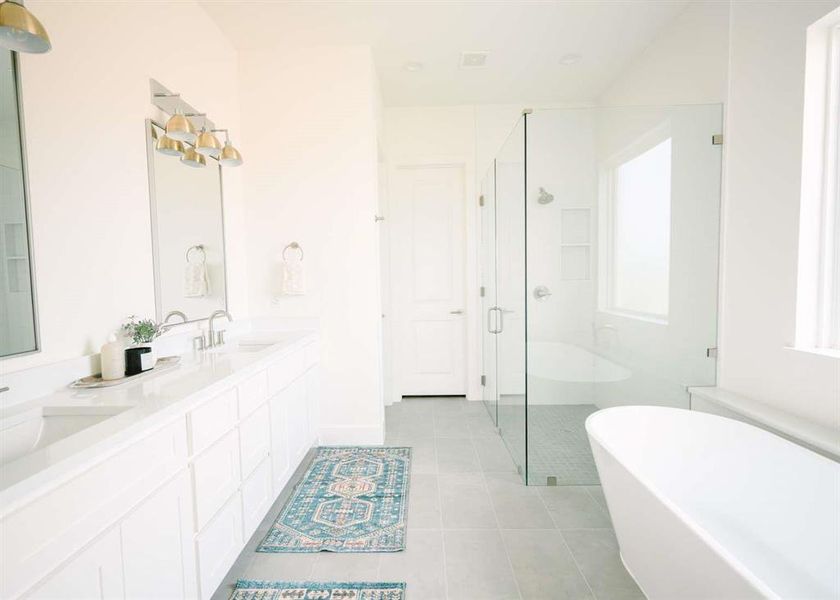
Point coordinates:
[(711, 352), (481, 291), (484, 380), (481, 200), (717, 139)]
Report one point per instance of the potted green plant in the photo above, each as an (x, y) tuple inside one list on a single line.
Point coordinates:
[(142, 333)]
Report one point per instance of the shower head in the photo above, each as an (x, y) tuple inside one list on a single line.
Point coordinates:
[(545, 197)]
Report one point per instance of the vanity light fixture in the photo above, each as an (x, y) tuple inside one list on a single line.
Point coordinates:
[(230, 156), (20, 30), (208, 144), (166, 145), (180, 128), (191, 158)]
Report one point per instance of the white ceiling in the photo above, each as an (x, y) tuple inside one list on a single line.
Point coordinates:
[(526, 40)]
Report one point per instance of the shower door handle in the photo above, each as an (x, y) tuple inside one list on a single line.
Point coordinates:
[(490, 327)]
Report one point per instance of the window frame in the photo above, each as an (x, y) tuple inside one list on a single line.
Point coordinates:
[(818, 278), (607, 208)]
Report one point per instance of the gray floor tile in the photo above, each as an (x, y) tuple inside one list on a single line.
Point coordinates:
[(451, 426), (465, 503), (493, 454), (596, 553), (477, 566), (345, 566), (280, 566), (456, 456), (480, 425), (573, 507), (420, 566), (516, 506), (423, 502), (543, 565)]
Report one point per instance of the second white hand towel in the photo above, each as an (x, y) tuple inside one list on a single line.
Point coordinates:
[(294, 283)]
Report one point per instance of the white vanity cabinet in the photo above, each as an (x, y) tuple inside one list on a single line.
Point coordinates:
[(167, 515)]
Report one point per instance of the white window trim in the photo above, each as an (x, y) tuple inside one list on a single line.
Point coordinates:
[(818, 286), (606, 217)]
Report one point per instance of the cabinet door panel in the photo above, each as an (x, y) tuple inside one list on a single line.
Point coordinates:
[(297, 420), (256, 497), (279, 443), (215, 477), (158, 554), (254, 439), (96, 572), (219, 545)]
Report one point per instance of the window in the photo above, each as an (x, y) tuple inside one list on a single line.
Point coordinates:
[(637, 211), (818, 292)]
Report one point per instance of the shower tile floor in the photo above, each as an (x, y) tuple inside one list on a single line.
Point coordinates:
[(475, 532), (557, 443)]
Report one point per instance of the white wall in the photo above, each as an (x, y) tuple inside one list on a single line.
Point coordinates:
[(685, 64), (84, 105), (309, 120), (762, 187)]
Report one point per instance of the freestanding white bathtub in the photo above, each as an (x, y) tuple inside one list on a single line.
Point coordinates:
[(710, 508)]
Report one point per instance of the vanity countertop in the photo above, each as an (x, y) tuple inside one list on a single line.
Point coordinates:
[(137, 408)]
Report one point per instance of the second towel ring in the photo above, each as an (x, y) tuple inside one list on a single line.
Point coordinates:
[(197, 248), (293, 246)]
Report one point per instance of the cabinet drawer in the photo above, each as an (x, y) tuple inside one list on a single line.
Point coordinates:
[(215, 477), (219, 545), (211, 420), (254, 439), (48, 530), (252, 393), (285, 371), (256, 497)]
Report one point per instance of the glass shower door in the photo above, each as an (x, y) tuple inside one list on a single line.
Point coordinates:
[(509, 318), (488, 292)]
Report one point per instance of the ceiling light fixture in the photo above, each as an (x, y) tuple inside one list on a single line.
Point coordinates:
[(413, 66), (20, 30), (474, 59), (570, 59)]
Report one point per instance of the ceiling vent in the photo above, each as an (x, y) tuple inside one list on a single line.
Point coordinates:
[(474, 60)]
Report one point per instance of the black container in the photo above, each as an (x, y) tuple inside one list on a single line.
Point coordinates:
[(138, 360)]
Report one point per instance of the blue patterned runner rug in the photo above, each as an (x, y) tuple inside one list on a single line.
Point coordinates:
[(308, 590), (351, 499)]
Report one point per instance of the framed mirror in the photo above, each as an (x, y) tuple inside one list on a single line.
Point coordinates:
[(18, 306), (187, 232)]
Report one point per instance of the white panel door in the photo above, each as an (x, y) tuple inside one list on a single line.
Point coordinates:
[(427, 280)]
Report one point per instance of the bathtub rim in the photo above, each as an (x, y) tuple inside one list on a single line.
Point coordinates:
[(684, 517)]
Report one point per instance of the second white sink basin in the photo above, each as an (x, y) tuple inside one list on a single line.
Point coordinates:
[(27, 432)]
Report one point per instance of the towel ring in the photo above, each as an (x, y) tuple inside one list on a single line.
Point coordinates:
[(197, 248), (293, 246)]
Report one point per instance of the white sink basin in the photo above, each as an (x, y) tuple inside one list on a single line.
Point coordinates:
[(27, 432), (241, 346)]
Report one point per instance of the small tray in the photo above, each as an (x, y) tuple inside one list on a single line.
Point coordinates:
[(95, 381)]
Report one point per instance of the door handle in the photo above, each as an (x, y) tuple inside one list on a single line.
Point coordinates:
[(456, 312)]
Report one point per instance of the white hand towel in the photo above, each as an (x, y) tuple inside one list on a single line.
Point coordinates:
[(293, 283), (196, 280)]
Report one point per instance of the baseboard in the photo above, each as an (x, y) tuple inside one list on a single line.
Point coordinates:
[(346, 435)]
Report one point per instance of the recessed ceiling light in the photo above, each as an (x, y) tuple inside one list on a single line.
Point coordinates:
[(570, 59), (413, 66), (474, 60)]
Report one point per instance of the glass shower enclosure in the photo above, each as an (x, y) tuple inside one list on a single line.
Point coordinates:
[(599, 273)]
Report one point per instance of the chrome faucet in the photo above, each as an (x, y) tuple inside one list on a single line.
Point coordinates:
[(215, 338), (166, 325)]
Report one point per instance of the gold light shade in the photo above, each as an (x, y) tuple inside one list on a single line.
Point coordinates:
[(20, 30), (208, 144), (193, 159), (180, 128), (230, 156), (166, 145)]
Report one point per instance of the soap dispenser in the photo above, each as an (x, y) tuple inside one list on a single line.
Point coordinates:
[(112, 359)]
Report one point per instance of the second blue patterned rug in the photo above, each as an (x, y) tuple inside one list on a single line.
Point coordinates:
[(351, 499)]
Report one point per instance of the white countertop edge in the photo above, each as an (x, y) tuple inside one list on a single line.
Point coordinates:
[(24, 488), (813, 434)]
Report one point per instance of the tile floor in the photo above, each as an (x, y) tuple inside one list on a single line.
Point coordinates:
[(474, 531)]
